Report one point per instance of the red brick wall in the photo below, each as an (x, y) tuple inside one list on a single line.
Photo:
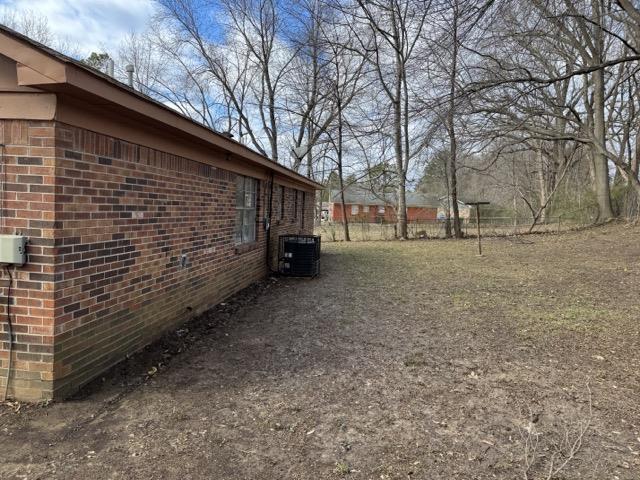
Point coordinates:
[(29, 209), (421, 214), (124, 215), (374, 216)]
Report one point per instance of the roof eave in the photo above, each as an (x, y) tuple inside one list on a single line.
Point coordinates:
[(37, 67)]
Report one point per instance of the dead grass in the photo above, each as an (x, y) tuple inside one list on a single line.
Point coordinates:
[(404, 360), (364, 232)]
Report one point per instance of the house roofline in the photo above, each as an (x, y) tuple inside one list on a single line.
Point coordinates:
[(46, 69)]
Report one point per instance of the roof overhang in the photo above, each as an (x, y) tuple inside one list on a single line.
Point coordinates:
[(49, 71)]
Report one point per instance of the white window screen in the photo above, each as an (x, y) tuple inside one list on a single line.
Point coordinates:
[(365, 209), (354, 209), (381, 209), (245, 230)]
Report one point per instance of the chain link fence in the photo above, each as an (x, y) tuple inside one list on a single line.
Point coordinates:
[(490, 226)]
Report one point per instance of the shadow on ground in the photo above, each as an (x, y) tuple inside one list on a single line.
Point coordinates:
[(403, 360)]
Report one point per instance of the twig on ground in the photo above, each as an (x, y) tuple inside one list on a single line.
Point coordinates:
[(563, 453)]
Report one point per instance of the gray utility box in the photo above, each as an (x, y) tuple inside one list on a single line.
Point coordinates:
[(13, 250)]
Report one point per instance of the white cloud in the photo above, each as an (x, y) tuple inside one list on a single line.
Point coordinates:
[(87, 25)]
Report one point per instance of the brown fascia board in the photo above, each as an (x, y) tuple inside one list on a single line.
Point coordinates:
[(50, 69), (27, 106), (27, 76), (43, 68)]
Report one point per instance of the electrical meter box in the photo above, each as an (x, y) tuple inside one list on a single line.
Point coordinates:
[(13, 250)]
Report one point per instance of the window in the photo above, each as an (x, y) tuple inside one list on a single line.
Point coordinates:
[(282, 191), (245, 231), (381, 209), (365, 209), (355, 209)]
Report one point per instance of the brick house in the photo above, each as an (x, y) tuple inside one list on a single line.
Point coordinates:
[(137, 218), (362, 205)]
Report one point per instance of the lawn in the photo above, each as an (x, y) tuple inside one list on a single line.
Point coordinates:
[(404, 360)]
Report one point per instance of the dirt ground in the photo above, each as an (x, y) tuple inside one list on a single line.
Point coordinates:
[(404, 360)]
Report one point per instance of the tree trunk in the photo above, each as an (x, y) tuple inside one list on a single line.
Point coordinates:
[(635, 160), (447, 217), (345, 222), (453, 142), (542, 180), (401, 214), (600, 162), (402, 211)]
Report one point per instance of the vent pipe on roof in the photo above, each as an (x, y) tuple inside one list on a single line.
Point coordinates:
[(110, 65), (129, 68)]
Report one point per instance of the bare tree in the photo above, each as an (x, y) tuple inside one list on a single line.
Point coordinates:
[(248, 67), (344, 83), (452, 176), (389, 34), (564, 83), (142, 51), (36, 26), (454, 24)]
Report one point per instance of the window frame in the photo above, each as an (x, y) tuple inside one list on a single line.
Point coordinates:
[(246, 209)]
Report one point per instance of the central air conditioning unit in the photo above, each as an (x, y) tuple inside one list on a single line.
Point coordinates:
[(299, 255)]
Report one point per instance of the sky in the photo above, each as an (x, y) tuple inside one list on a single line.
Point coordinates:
[(88, 25)]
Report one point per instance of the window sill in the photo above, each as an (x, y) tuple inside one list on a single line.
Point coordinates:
[(246, 247)]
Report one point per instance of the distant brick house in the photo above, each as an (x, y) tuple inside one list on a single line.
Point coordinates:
[(137, 218), (365, 206)]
